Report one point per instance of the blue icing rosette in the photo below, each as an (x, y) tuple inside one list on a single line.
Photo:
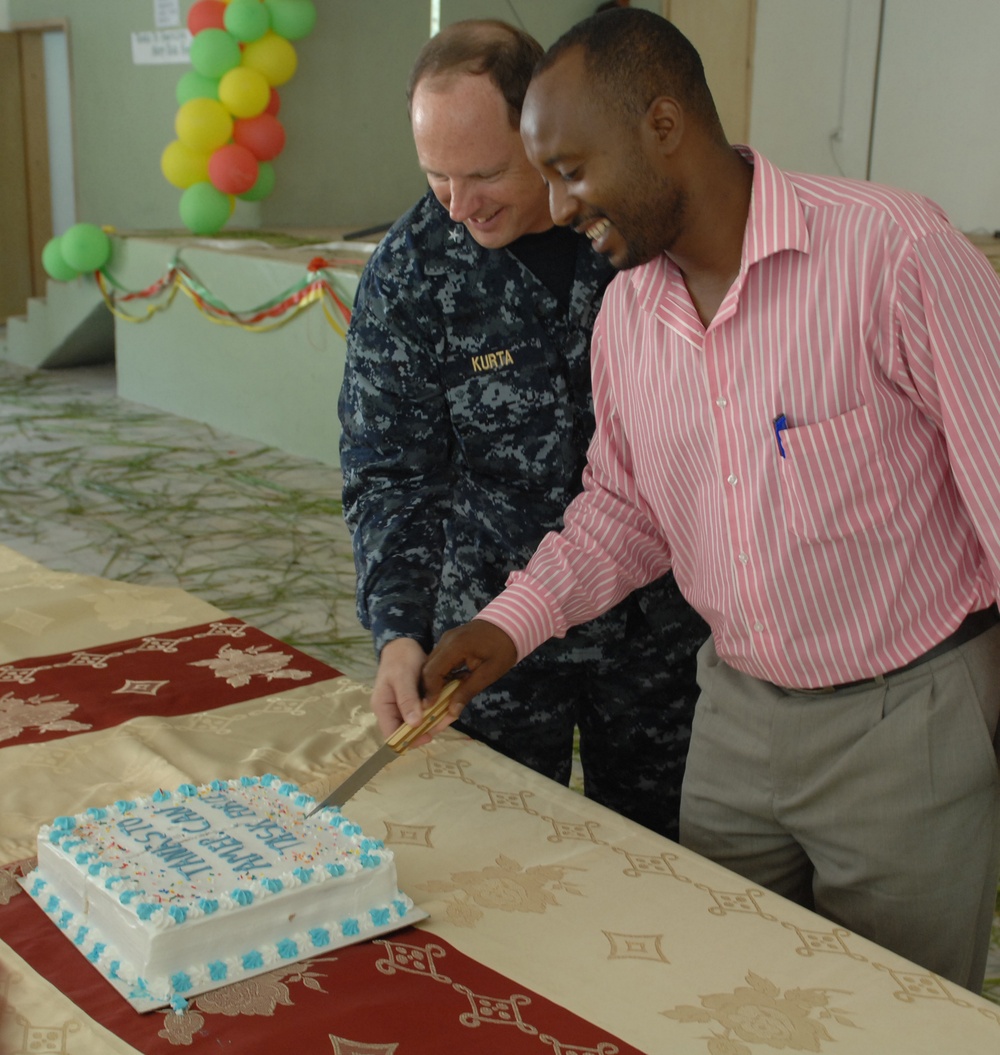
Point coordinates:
[(180, 982)]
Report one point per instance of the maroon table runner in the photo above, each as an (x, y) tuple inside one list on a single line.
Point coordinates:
[(179, 672), (406, 994)]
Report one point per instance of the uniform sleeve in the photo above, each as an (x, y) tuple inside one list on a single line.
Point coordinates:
[(394, 448), (609, 545)]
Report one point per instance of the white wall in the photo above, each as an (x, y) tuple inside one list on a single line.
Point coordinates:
[(935, 123)]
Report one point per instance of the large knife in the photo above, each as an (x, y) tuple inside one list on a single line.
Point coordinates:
[(400, 740)]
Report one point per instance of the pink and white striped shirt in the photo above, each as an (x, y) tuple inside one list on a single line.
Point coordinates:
[(873, 326)]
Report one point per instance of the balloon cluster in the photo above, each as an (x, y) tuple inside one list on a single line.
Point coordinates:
[(227, 126), (80, 250)]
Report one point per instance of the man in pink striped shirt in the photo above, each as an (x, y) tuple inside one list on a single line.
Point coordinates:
[(797, 388)]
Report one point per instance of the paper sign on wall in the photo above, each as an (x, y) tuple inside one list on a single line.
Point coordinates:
[(159, 47), (166, 13)]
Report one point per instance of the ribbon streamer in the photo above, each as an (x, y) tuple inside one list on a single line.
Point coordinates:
[(313, 288)]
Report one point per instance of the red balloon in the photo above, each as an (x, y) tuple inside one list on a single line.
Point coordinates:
[(263, 135), (232, 169), (206, 14), (274, 103)]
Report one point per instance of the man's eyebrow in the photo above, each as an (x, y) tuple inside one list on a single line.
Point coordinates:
[(483, 174)]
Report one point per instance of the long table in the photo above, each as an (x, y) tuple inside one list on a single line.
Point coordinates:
[(555, 926)]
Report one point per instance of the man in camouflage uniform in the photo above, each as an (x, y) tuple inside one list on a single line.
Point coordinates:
[(466, 414)]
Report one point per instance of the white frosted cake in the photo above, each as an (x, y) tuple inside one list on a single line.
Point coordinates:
[(186, 891)]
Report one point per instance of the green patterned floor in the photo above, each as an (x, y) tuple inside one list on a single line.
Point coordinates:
[(92, 484)]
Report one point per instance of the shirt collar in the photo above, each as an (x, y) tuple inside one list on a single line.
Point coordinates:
[(776, 221)]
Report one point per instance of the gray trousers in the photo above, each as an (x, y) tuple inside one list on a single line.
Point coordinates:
[(879, 807)]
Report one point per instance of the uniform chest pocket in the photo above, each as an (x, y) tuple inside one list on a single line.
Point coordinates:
[(833, 479), (498, 390)]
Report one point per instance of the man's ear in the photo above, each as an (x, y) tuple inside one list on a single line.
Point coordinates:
[(665, 121)]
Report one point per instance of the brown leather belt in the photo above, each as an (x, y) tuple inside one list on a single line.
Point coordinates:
[(974, 624)]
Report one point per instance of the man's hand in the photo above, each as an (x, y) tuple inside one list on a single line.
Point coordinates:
[(397, 684), (479, 647)]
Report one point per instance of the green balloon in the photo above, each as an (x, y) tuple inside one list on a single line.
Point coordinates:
[(263, 185), (247, 20), (195, 85), (203, 208), (292, 19), (214, 52), (85, 247), (55, 264)]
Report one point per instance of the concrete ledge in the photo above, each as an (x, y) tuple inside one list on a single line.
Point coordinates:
[(279, 387)]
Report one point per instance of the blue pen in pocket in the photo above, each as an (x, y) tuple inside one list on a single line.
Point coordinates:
[(780, 425)]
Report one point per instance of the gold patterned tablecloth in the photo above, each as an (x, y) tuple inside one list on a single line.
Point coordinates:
[(570, 902)]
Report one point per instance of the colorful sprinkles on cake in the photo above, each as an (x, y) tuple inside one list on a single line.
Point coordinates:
[(183, 856)]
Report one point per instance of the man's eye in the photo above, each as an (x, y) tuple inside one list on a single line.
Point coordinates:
[(571, 176)]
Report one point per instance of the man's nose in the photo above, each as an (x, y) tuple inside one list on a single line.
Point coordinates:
[(562, 204), (462, 201)]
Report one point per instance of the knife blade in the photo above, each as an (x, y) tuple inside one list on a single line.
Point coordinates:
[(400, 740)]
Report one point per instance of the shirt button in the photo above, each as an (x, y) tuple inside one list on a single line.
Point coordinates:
[(722, 402), (731, 479), (744, 558), (758, 626)]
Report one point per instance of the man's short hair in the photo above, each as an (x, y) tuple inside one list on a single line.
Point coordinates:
[(634, 56), (484, 47)]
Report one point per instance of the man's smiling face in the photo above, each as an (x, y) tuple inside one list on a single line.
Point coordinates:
[(604, 175), (474, 160)]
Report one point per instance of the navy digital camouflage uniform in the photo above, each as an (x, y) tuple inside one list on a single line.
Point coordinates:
[(466, 414)]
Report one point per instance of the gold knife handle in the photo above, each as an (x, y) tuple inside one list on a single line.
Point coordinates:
[(406, 734)]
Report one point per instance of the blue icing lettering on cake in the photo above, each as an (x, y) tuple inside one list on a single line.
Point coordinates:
[(183, 891)]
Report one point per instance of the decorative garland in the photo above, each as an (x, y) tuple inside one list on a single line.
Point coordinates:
[(313, 288), (227, 127)]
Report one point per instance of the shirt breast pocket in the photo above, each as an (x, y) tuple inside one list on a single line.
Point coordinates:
[(834, 479)]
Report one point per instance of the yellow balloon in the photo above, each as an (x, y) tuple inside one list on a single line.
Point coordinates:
[(203, 124), (244, 92), (273, 56), (183, 166)]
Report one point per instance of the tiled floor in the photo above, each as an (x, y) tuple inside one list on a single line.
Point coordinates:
[(90, 483)]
